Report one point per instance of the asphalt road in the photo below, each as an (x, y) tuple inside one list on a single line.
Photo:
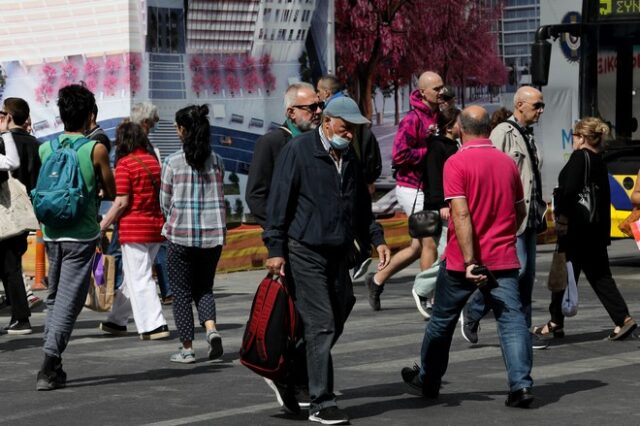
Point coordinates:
[(580, 380)]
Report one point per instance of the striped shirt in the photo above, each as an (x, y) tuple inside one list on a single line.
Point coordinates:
[(142, 221), (193, 202)]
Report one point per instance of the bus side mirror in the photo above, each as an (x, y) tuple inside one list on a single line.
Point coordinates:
[(540, 62)]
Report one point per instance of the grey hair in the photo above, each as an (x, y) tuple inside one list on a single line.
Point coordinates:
[(470, 125), (291, 93), (143, 111)]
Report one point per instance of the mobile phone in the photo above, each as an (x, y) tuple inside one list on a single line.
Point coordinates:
[(491, 279)]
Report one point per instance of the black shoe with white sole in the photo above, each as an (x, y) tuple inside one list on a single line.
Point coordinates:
[(329, 416), (17, 328)]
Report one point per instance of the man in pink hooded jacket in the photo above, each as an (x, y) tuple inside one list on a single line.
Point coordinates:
[(409, 150)]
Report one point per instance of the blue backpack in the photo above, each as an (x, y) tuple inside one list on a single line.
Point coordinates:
[(59, 197)]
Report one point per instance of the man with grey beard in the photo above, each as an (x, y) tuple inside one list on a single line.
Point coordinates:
[(302, 109)]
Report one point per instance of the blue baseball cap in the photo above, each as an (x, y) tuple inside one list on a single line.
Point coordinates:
[(346, 109)]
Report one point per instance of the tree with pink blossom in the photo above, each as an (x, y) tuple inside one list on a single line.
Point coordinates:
[(133, 64), (368, 31), (197, 83), (69, 74), (215, 82), (232, 83)]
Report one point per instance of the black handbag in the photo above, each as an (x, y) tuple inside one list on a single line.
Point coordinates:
[(424, 223)]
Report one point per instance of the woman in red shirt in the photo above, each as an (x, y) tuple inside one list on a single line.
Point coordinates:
[(137, 208)]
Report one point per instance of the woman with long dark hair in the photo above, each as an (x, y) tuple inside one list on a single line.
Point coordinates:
[(137, 210), (192, 200), (584, 238)]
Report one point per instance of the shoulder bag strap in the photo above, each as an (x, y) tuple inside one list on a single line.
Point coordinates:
[(587, 167), (156, 187), (415, 200)]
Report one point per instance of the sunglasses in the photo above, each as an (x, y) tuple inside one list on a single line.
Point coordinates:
[(4, 113), (311, 107), (537, 105)]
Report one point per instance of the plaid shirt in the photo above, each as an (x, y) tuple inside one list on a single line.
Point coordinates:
[(193, 202)]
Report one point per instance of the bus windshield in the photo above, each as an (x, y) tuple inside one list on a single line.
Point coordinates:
[(618, 80)]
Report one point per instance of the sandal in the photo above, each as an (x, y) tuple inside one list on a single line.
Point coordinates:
[(549, 331), (624, 332)]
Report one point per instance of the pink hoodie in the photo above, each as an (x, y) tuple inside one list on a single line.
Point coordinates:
[(410, 143)]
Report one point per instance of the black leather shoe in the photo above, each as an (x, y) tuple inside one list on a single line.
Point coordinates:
[(521, 398)]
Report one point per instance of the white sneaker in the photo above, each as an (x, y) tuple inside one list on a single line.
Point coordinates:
[(422, 303), (184, 356)]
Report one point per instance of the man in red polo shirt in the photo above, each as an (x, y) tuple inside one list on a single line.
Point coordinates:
[(483, 187)]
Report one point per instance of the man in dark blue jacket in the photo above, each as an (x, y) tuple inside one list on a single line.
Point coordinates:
[(318, 204)]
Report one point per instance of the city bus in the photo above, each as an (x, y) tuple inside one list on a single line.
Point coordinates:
[(599, 51)]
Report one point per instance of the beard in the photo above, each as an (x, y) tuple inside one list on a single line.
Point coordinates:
[(306, 125)]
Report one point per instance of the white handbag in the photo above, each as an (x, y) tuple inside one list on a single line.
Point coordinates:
[(570, 297)]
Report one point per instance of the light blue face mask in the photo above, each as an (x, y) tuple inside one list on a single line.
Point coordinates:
[(339, 143)]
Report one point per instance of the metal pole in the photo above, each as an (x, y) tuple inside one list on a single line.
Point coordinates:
[(331, 39)]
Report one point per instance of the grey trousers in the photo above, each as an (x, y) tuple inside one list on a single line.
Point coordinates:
[(324, 299), (69, 273)]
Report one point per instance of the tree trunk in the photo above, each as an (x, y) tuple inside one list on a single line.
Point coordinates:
[(396, 100)]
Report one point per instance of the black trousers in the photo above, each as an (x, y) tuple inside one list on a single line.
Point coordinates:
[(11, 251), (593, 260), (324, 299)]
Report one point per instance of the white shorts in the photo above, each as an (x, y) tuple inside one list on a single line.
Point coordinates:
[(407, 196)]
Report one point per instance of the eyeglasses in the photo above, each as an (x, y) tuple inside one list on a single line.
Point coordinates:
[(311, 107), (4, 113), (536, 105)]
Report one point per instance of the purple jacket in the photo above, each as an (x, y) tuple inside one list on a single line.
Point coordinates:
[(410, 143)]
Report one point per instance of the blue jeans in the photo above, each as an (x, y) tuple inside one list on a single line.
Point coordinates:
[(452, 292), (476, 309), (115, 251), (160, 264)]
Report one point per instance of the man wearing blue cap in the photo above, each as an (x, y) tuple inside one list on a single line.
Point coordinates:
[(318, 204)]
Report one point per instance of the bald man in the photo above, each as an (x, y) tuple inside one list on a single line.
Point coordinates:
[(479, 180), (515, 137), (409, 151)]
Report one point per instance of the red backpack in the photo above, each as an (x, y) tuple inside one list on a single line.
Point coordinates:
[(271, 332)]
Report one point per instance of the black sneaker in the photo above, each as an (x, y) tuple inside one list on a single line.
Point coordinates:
[(286, 397), (329, 416), (411, 376), (112, 328), (538, 343), (19, 327), (469, 329), (374, 292), (159, 333), (47, 381)]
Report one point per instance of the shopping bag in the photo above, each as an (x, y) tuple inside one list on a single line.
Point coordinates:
[(625, 225), (570, 298), (102, 286), (557, 280), (16, 210), (635, 231)]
